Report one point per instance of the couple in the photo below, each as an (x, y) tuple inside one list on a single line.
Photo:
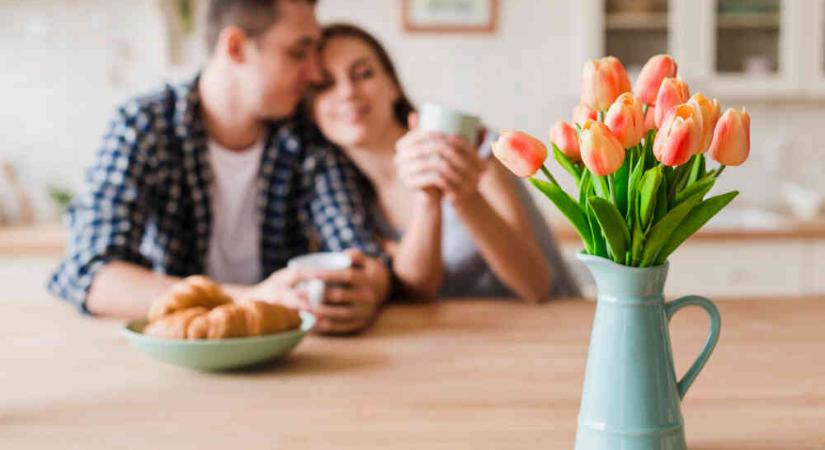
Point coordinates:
[(226, 175)]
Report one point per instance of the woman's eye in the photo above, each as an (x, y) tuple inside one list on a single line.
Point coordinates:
[(362, 74)]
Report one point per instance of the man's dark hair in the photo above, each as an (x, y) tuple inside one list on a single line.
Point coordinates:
[(254, 17)]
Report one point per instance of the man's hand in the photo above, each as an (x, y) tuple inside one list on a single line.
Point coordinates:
[(352, 296)]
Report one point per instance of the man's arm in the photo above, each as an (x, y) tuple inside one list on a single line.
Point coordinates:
[(335, 208), (108, 219)]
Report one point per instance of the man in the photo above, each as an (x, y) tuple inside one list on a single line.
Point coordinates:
[(218, 176)]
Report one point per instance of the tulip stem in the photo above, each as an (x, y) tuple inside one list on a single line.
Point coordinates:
[(719, 171), (600, 116), (549, 175)]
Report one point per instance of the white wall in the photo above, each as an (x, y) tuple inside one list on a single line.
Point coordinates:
[(66, 64)]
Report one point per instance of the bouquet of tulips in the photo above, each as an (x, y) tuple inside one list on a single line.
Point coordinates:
[(638, 159)]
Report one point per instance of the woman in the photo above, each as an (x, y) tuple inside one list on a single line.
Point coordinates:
[(456, 223)]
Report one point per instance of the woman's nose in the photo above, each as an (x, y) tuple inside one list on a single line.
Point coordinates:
[(345, 89)]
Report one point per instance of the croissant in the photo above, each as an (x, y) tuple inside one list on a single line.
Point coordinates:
[(196, 290), (197, 308), (174, 326)]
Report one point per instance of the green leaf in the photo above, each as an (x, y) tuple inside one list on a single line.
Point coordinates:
[(571, 210), (650, 158), (697, 169), (585, 186), (695, 220), (704, 186), (648, 193), (566, 164), (661, 203), (679, 180), (620, 184), (661, 231), (613, 226), (601, 186), (599, 245), (632, 188), (637, 240)]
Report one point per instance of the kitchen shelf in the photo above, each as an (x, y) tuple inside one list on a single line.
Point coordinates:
[(636, 21), (753, 21)]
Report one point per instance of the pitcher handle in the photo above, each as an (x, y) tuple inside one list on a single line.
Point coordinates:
[(715, 323)]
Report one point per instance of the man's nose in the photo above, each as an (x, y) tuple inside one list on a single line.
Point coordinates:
[(312, 69)]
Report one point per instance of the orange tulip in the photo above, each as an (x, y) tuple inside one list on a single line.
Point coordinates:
[(581, 113), (521, 153), (710, 114), (625, 120), (732, 138), (650, 118), (673, 92), (601, 151), (602, 81), (650, 78), (680, 136), (564, 136)]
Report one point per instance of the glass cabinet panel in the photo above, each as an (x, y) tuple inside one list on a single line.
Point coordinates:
[(635, 30), (748, 37)]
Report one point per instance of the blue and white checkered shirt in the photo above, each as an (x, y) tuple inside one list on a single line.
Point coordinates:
[(146, 197)]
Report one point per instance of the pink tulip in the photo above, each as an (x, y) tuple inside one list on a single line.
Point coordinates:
[(521, 153), (564, 136), (625, 120), (602, 81), (581, 113), (710, 114), (601, 151), (650, 78), (680, 136), (673, 92), (732, 138)]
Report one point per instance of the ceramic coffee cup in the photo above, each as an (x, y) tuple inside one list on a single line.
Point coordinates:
[(323, 261), (432, 117)]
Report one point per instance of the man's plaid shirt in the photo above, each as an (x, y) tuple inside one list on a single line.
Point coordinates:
[(146, 197)]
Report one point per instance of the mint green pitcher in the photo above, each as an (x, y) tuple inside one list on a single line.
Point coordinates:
[(631, 397)]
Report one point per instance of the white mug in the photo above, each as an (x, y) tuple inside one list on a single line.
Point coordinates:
[(314, 289), (432, 117)]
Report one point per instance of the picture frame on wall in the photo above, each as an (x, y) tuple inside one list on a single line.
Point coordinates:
[(449, 16)]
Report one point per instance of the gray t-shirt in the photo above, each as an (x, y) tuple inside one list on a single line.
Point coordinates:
[(466, 273)]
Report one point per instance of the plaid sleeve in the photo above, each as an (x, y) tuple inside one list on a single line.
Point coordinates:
[(336, 204), (107, 220)]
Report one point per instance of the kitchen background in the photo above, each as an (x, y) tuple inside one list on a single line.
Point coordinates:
[(67, 63)]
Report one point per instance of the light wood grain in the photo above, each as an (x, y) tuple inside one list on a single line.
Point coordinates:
[(453, 375)]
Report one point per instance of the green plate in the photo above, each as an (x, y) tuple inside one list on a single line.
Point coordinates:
[(217, 354)]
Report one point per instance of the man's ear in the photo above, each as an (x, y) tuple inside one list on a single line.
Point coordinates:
[(232, 43)]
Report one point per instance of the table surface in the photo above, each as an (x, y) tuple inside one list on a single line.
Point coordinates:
[(457, 374)]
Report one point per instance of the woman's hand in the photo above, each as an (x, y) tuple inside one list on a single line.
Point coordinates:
[(460, 167), (430, 161)]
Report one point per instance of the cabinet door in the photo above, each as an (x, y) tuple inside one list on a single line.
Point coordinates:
[(743, 48), (816, 270), (740, 269)]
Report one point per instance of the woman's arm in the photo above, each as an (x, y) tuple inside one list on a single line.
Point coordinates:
[(417, 262), (500, 227)]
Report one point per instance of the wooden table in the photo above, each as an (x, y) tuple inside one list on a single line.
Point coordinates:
[(453, 375)]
